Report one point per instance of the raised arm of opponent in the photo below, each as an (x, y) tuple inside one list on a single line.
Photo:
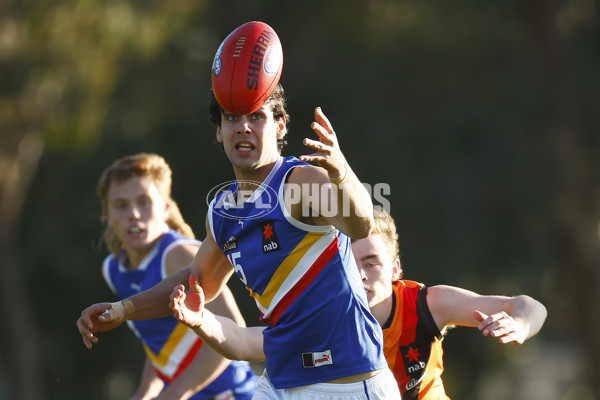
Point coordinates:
[(509, 319)]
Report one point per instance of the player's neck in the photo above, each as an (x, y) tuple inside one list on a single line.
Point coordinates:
[(134, 257), (253, 174), (382, 310)]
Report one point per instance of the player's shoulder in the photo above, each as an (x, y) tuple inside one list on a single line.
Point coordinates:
[(180, 255), (307, 173), (409, 283)]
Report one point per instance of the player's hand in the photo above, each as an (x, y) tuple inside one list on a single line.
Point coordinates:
[(328, 154), (501, 326), (90, 323), (188, 306)]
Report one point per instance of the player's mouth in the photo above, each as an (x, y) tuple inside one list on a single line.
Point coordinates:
[(244, 147), (135, 231)]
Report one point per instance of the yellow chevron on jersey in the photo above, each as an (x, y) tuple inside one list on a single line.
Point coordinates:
[(293, 269), (176, 348)]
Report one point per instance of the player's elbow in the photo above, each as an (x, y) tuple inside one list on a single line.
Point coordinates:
[(210, 292), (535, 315)]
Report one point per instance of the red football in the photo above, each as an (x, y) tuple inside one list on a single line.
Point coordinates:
[(247, 67)]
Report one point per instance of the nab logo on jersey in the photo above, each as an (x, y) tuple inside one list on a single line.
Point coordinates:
[(270, 243), (413, 360)]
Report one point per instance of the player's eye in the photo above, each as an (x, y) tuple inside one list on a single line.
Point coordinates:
[(231, 117), (144, 201), (120, 205)]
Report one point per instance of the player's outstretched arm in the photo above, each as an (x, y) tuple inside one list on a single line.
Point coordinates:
[(523, 319), (350, 209), (89, 323), (509, 319), (226, 336), (151, 303)]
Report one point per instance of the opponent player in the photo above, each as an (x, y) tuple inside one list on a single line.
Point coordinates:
[(296, 261), (149, 240), (414, 317)]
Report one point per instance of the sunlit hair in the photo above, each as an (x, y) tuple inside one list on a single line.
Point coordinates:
[(141, 165), (276, 101), (386, 227)]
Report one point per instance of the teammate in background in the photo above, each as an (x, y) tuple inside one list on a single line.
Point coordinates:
[(295, 261), (414, 317), (149, 240)]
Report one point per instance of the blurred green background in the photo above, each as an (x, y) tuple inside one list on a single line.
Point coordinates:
[(483, 117)]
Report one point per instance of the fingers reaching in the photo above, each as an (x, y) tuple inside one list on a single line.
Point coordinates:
[(188, 306), (501, 326), (85, 333), (327, 150), (323, 121), (479, 316)]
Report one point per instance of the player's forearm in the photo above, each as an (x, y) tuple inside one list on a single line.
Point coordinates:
[(354, 204), (231, 340), (154, 302)]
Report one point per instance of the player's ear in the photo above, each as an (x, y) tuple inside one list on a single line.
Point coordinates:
[(281, 128), (219, 137), (396, 270), (167, 209)]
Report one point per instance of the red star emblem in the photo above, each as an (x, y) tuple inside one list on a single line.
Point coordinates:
[(412, 354), (268, 232)]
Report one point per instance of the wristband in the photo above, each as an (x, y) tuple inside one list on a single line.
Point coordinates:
[(341, 178), (121, 310)]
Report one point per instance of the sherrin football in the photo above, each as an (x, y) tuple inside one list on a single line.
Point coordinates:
[(247, 67)]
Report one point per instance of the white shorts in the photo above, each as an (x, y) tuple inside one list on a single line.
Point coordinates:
[(382, 386)]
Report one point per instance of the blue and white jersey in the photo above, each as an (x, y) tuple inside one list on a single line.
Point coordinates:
[(170, 345), (305, 282)]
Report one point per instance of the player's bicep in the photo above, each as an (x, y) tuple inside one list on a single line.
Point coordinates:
[(211, 267), (309, 200), (450, 305)]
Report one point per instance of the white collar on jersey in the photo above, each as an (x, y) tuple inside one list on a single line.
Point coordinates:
[(259, 191), (229, 200)]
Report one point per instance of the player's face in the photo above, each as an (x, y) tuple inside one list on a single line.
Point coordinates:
[(137, 213), (377, 267), (250, 140)]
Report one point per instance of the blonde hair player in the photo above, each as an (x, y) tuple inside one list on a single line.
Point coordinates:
[(149, 240)]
